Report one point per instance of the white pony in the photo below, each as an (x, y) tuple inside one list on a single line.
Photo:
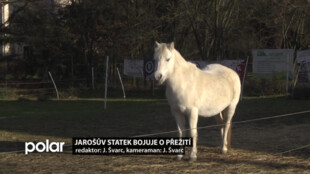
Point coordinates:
[(213, 91)]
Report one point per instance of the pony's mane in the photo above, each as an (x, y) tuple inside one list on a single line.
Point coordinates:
[(180, 60), (178, 57)]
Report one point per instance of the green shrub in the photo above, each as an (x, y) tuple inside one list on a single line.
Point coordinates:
[(255, 86)]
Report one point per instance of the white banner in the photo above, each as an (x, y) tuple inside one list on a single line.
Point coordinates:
[(133, 67), (233, 64), (237, 65), (267, 61), (303, 58)]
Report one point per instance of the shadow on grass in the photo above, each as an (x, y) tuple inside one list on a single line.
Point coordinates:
[(124, 118), (116, 93), (67, 119), (8, 146)]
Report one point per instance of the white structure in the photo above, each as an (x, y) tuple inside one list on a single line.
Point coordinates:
[(7, 8), (303, 59), (5, 13)]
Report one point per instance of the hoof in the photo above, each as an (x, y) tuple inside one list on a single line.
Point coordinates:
[(193, 159), (224, 151), (179, 157)]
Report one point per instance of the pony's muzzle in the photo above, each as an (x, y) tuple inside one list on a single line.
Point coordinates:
[(158, 76)]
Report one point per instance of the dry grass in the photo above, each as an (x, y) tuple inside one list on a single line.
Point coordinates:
[(254, 145), (210, 161)]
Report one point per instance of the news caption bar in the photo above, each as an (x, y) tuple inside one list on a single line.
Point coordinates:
[(130, 146)]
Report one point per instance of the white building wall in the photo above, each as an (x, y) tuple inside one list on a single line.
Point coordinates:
[(17, 49), (5, 11)]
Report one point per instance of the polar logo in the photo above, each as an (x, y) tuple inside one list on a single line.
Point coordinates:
[(44, 147)]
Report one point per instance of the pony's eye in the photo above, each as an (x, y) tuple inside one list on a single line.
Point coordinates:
[(168, 59)]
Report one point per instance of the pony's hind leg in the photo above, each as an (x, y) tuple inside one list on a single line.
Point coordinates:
[(193, 120), (220, 121), (228, 115), (180, 119)]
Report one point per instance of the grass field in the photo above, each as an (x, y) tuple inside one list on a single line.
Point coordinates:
[(254, 145)]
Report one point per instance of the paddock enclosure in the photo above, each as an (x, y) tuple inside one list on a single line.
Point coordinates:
[(256, 146)]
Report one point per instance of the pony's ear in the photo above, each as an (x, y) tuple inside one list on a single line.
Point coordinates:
[(171, 46), (156, 44)]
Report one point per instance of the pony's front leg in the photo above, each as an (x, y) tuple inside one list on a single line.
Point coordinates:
[(180, 119), (193, 120)]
